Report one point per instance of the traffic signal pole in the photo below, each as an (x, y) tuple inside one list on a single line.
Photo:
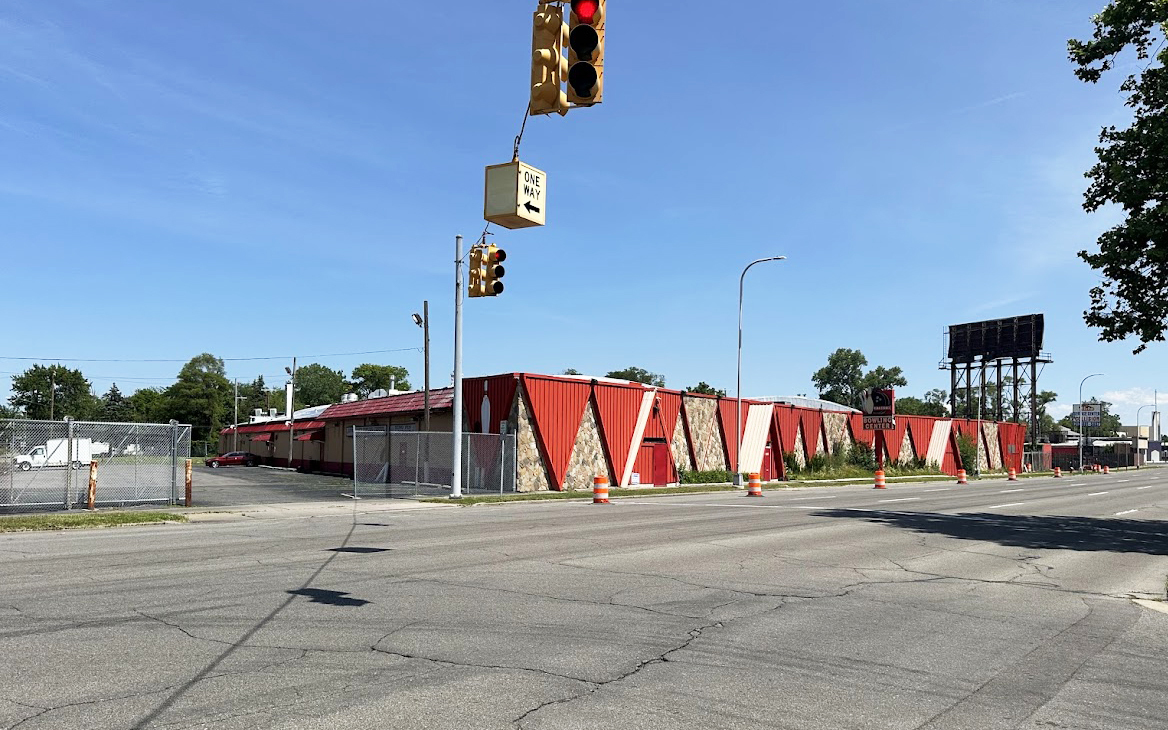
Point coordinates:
[(456, 476)]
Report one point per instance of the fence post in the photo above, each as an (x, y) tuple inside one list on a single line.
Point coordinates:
[(189, 500), (68, 462), (92, 495), (173, 461)]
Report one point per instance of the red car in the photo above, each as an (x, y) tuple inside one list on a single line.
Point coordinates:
[(235, 458)]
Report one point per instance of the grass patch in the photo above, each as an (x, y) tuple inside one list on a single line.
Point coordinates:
[(20, 523)]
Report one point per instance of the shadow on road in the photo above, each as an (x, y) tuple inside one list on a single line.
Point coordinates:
[(1053, 532), (330, 598)]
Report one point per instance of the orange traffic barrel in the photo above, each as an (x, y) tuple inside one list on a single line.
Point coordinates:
[(1013, 475), (880, 480), (961, 478), (600, 490), (754, 488), (1057, 472)]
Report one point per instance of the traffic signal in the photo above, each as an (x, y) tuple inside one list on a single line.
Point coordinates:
[(493, 258), (548, 65), (475, 284), (586, 52)]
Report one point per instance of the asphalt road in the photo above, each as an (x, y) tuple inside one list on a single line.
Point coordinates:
[(994, 605)]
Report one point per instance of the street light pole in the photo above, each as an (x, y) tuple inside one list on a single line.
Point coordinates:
[(1138, 410), (424, 322), (1081, 426), (291, 410), (738, 410)]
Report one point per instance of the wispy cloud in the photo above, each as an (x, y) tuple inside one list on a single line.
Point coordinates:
[(949, 114)]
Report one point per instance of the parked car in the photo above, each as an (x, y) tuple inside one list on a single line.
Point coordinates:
[(234, 458)]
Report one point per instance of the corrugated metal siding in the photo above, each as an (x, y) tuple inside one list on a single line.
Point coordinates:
[(812, 430), (776, 442), (859, 434), (644, 413), (754, 440), (618, 407), (894, 439), (921, 429), (500, 392), (788, 420), (556, 409), (664, 421)]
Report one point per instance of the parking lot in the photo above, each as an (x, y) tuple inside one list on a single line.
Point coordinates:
[(235, 485)]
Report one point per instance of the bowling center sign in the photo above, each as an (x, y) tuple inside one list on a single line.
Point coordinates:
[(879, 408)]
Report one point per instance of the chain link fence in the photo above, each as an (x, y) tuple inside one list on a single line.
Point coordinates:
[(403, 464), (44, 465)]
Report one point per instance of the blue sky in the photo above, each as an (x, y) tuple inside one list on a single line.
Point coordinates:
[(274, 179)]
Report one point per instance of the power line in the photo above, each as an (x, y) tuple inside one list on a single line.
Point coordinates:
[(224, 359)]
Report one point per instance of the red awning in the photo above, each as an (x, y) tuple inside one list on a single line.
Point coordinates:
[(262, 437), (316, 434)]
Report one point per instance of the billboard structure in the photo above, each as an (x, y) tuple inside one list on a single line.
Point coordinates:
[(1013, 344)]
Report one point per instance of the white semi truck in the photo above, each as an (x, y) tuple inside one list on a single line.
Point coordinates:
[(56, 452)]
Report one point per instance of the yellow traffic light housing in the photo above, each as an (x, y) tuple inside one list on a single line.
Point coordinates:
[(586, 53), (475, 284), (493, 258), (548, 65)]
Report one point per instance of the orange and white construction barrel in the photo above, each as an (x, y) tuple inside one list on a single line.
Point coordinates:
[(1013, 475), (961, 478), (880, 480), (600, 490), (754, 486), (1057, 472)]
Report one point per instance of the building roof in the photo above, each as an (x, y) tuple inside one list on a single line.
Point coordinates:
[(413, 402), (804, 402)]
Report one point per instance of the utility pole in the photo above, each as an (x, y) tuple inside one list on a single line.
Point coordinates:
[(456, 476), (52, 391), (426, 337), (235, 423)]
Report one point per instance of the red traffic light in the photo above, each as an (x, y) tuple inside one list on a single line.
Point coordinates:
[(585, 10)]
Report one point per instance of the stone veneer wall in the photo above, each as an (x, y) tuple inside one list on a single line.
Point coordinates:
[(995, 451), (587, 460), (532, 476), (680, 447), (703, 426), (800, 450), (906, 455), (819, 442), (836, 426)]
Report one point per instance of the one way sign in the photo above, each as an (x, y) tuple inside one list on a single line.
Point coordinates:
[(516, 195)]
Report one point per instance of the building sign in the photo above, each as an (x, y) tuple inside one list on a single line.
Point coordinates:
[(879, 423), (1087, 414)]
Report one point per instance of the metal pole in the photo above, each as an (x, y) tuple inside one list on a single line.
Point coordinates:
[(235, 423), (456, 473), (426, 336), (1081, 426), (1138, 410), (68, 462), (738, 409), (291, 412)]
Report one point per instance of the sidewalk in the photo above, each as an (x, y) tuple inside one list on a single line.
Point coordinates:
[(300, 510)]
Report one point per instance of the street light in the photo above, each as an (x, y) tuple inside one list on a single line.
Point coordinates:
[(1146, 405), (738, 410), (291, 408), (423, 321), (1081, 417)]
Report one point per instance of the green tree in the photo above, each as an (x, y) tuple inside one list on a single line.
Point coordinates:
[(638, 375), (706, 389), (317, 385), (115, 406), (201, 397), (6, 412), (369, 377), (1132, 260), (47, 392), (571, 371), (910, 406), (148, 405), (843, 378)]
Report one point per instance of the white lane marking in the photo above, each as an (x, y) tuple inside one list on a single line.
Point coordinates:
[(1007, 491), (999, 506), (1126, 512), (1147, 487), (1096, 494), (1121, 481), (827, 496), (946, 489), (902, 499)]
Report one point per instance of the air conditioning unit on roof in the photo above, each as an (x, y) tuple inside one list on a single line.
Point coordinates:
[(258, 412), (272, 412)]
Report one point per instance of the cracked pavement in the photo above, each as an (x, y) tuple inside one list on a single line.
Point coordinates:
[(696, 611)]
